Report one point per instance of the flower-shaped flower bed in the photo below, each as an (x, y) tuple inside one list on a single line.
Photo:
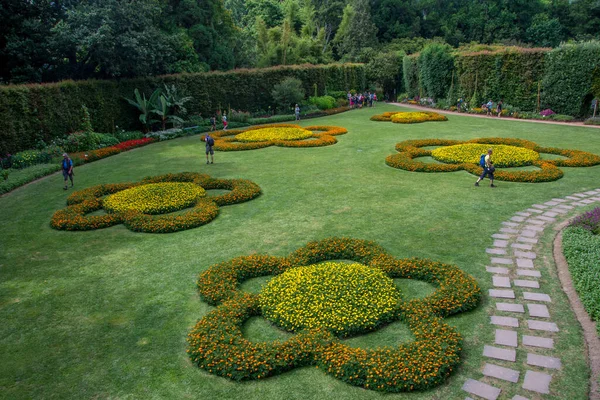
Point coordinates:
[(284, 135), (145, 206), (322, 303), (409, 117), (462, 155)]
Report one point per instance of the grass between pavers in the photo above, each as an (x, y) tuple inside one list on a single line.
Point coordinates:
[(108, 311)]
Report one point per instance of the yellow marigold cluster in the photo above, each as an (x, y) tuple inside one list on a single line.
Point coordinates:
[(283, 135), (339, 297), (217, 343), (502, 156), (273, 133), (409, 117), (155, 198), (132, 204), (410, 150)]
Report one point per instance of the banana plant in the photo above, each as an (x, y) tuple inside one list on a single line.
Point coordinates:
[(162, 109), (145, 106)]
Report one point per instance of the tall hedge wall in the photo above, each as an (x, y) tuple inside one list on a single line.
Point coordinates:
[(511, 75), (569, 78), (410, 73), (29, 113)]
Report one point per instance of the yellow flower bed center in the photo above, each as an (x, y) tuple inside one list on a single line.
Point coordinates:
[(274, 133), (155, 198), (502, 155), (343, 298)]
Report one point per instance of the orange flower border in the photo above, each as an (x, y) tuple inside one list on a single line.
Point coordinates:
[(217, 344), (409, 150), (324, 137), (83, 202)]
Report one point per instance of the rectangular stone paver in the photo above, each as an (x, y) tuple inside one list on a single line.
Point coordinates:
[(506, 374), (503, 261), (550, 214), (543, 361), (521, 246), (559, 200), (539, 206), (517, 397), (528, 233), (500, 243), (526, 284), (551, 203), (501, 236), (510, 224), (588, 201), (536, 222), (545, 218), (500, 354), (506, 338), (565, 207), (537, 297), (505, 321), (542, 326), (535, 228), (538, 310), (538, 341), (529, 272), (537, 382), (526, 240), (502, 294), (525, 254), (559, 210), (523, 214), (501, 281), (572, 198), (497, 270), (580, 195), (534, 210), (518, 219), (481, 389), (510, 307), (509, 230), (496, 251)]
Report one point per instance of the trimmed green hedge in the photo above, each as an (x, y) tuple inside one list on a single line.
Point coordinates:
[(29, 113)]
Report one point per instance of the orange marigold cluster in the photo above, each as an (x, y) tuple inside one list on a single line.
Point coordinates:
[(83, 202), (217, 343), (322, 136), (410, 150)]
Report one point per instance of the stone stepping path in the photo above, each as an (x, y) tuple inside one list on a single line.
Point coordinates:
[(519, 300)]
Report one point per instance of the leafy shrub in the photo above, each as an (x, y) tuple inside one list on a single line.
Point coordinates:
[(4, 174), (272, 120), (592, 121), (128, 135), (435, 70), (590, 221), (323, 102), (338, 94), (288, 92), (546, 112), (561, 117), (238, 116), (29, 158)]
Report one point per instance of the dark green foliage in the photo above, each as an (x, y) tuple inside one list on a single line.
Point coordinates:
[(32, 113), (18, 178), (287, 93), (410, 74), (569, 77), (435, 70), (384, 69), (510, 74), (323, 102)]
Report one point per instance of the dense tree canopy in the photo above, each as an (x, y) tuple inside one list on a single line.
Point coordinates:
[(49, 40)]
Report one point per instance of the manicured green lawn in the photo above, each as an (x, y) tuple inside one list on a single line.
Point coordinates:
[(105, 314)]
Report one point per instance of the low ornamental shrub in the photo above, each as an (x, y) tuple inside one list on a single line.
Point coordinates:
[(203, 210), (323, 102), (29, 158), (409, 117), (581, 248), (21, 177), (592, 121), (410, 150), (217, 344)]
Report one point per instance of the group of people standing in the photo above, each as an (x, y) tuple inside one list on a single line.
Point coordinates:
[(488, 107), (362, 99)]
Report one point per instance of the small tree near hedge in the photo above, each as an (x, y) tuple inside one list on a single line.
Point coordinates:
[(435, 70), (287, 93)]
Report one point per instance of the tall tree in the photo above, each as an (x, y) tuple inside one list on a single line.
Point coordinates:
[(356, 30)]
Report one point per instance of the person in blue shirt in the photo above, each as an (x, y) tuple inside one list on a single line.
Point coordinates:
[(67, 169)]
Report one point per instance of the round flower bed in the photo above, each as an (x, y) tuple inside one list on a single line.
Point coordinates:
[(133, 204), (343, 298), (283, 135), (271, 134), (155, 198), (217, 343), (409, 117), (503, 155), (410, 150)]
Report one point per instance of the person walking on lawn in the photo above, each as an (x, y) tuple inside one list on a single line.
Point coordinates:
[(210, 142), (67, 169), (488, 169)]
